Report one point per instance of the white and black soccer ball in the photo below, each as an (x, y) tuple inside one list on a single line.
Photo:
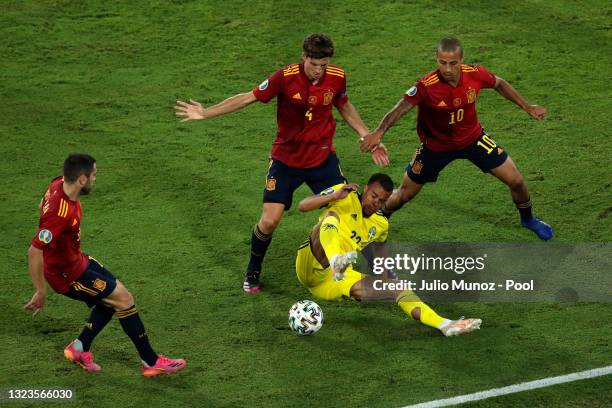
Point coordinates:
[(305, 317)]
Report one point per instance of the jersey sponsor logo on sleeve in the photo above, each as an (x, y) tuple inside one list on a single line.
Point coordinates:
[(412, 91), (264, 85), (45, 236)]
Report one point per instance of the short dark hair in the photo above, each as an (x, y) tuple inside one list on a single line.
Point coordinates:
[(382, 179), (450, 44), (77, 164), (318, 46)]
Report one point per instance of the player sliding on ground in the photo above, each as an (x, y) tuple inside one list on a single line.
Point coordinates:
[(348, 224), (448, 128), (55, 255)]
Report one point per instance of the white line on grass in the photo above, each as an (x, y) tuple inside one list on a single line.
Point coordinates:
[(511, 389)]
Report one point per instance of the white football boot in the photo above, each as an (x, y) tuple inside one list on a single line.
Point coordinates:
[(461, 326), (340, 262)]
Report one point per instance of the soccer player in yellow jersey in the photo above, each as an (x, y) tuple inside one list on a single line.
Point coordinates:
[(348, 224)]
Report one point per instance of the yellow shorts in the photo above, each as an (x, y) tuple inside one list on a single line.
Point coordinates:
[(319, 280)]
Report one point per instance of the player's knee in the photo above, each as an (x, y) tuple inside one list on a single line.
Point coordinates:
[(406, 193), (268, 224), (515, 182), (123, 299)]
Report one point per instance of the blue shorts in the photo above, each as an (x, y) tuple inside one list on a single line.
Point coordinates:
[(283, 180), (484, 153), (93, 285)]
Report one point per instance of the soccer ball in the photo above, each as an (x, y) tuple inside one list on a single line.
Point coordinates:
[(305, 317)]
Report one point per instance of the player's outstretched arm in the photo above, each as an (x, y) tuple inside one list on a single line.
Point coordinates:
[(351, 116), (194, 110), (317, 201), (506, 90), (35, 265), (373, 139)]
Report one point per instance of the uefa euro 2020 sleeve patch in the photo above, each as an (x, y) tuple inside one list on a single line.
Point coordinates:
[(45, 236)]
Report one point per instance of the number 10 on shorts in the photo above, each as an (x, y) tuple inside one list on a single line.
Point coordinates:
[(489, 144)]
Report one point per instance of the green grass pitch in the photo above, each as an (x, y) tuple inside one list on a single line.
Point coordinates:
[(173, 205)]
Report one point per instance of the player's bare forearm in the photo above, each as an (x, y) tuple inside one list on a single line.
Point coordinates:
[(507, 91), (372, 140), (35, 266), (352, 118), (229, 105), (395, 114), (317, 201), (194, 110)]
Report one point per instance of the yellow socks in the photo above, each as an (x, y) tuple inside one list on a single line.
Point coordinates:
[(408, 301)]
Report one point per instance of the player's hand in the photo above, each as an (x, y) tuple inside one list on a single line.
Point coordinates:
[(380, 156), (191, 111), (345, 190), (536, 111), (370, 141), (37, 303)]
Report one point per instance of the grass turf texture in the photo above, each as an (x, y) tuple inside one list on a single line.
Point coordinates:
[(172, 209)]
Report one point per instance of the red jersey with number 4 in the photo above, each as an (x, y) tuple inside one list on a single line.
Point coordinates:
[(305, 123), (59, 237), (447, 118)]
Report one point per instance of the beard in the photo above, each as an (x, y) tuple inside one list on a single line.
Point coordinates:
[(85, 190)]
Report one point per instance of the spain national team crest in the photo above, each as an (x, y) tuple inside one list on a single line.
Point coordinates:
[(328, 97), (456, 102), (99, 284), (471, 95), (271, 184), (417, 166), (371, 233)]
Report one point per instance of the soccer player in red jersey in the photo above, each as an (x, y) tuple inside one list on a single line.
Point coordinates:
[(448, 128), (303, 150), (55, 255)]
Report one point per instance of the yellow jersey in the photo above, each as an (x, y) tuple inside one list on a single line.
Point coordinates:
[(355, 230)]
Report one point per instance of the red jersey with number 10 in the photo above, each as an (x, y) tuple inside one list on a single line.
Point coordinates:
[(305, 122), (447, 118), (59, 236)]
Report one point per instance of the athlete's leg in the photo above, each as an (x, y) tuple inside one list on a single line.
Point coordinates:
[(424, 167), (122, 301), (281, 182), (492, 158), (413, 307), (510, 175), (406, 192)]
